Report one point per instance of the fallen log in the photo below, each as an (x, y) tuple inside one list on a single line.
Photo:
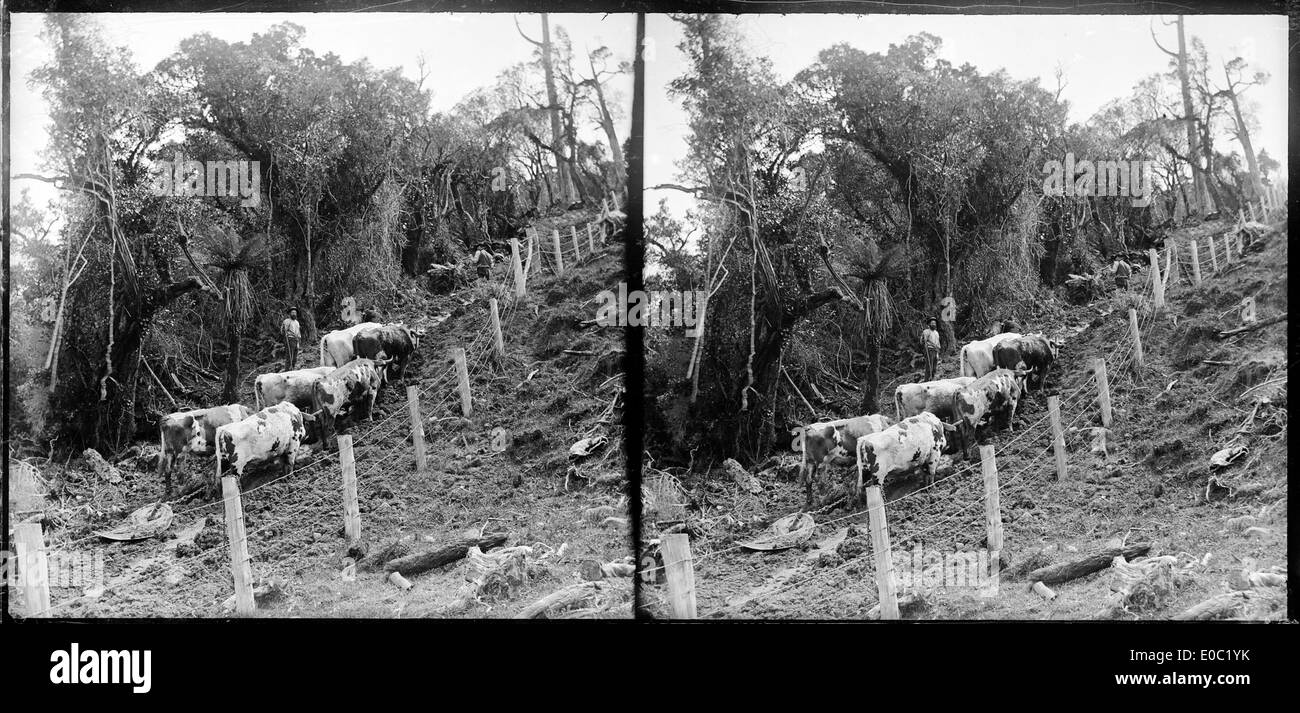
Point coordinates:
[(1065, 571), (1253, 326), (1216, 607), (432, 559), (390, 550), (599, 595)]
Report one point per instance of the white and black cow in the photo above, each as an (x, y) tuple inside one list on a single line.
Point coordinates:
[(933, 396), (348, 390), (292, 386), (823, 442), (976, 358), (336, 347), (997, 392), (912, 443), (393, 341), (192, 432), (275, 432), (1034, 352)]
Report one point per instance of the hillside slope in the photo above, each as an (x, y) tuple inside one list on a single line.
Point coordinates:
[(1152, 484), (522, 483)]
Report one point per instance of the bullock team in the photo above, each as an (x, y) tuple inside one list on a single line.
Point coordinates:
[(995, 373), (354, 364)]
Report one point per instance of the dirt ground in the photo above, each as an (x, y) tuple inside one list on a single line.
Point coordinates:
[(570, 512), (1154, 483)]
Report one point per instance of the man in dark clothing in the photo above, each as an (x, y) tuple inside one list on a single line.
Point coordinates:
[(482, 261)]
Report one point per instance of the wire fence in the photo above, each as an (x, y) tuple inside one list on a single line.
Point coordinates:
[(194, 569)]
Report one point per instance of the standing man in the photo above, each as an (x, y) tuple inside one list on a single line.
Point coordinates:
[(482, 261), (930, 343), (1122, 272), (292, 333)]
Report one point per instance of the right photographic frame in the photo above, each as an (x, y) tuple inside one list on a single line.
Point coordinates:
[(972, 317)]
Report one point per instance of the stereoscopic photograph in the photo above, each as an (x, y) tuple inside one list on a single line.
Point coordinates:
[(301, 318), (966, 317)]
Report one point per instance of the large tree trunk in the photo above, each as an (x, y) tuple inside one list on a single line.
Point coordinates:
[(1244, 135), (871, 379), (553, 110), (1193, 145), (607, 123), (230, 390)]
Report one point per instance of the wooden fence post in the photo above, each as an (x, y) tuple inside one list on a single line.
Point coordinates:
[(1196, 264), (1138, 362), (559, 256), (417, 427), (591, 239), (462, 373), (884, 558), (1214, 257), (992, 505), (1058, 435), (1170, 254), (1157, 285), (351, 508), (1103, 389), (680, 572), (497, 340), (240, 565), (577, 251), (34, 567), (528, 257), (520, 282)]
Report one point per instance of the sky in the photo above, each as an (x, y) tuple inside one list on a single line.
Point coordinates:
[(1103, 57), (463, 52)]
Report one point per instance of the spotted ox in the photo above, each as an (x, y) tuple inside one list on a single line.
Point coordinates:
[(832, 441), (192, 432), (915, 442), (275, 432), (997, 392), (292, 386), (933, 396), (336, 347), (1033, 352), (350, 389), (976, 358), (394, 341)]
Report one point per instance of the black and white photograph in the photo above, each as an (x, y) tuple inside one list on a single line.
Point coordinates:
[(299, 315), (376, 337), (966, 317)]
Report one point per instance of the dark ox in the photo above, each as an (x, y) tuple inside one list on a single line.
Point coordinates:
[(1033, 352), (392, 341), (275, 432), (997, 392), (348, 390), (192, 432)]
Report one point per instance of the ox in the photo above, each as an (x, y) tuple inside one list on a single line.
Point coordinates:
[(353, 388), (823, 442), (933, 396), (1033, 352), (394, 341), (977, 357), (292, 386), (336, 347), (996, 392), (275, 432), (192, 432), (912, 443)]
